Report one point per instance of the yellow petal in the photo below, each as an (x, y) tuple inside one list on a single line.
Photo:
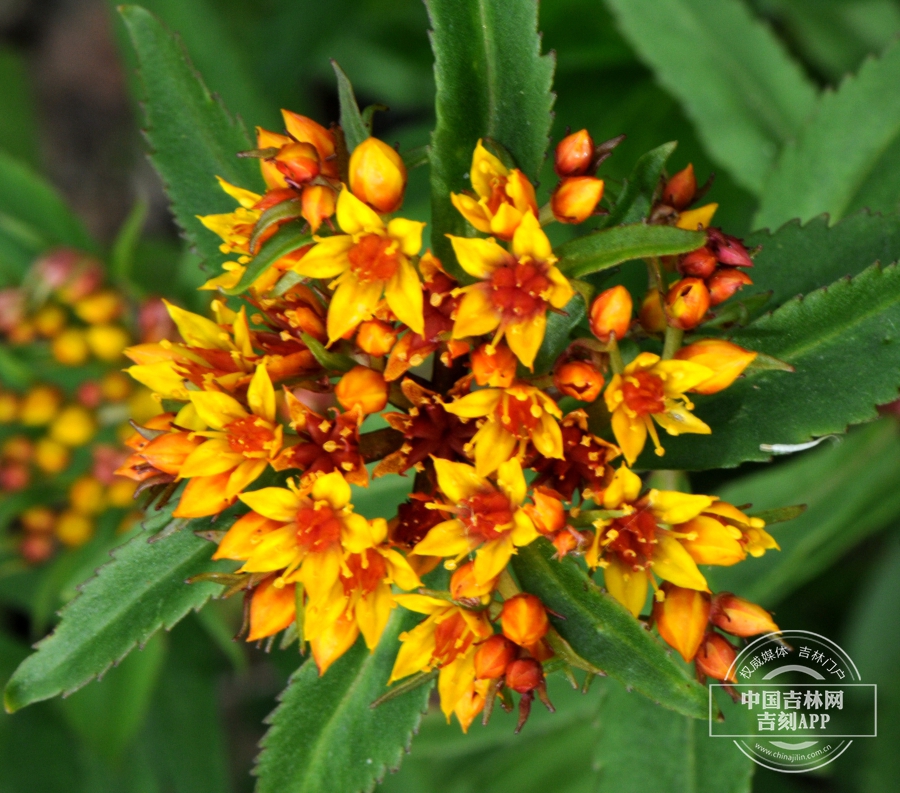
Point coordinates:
[(631, 433), (275, 551), (479, 403), (670, 506), (241, 539), (446, 539), (478, 257), (492, 557), (699, 218), (332, 488), (681, 376), (353, 302), (277, 503), (408, 233), (216, 409), (403, 293), (356, 534), (327, 258), (624, 488), (415, 652), (472, 211), (547, 437), (422, 604), (525, 337), (372, 613), (493, 446), (713, 543), (246, 198), (458, 481), (214, 456), (334, 640), (455, 681), (561, 291), (485, 168), (245, 474), (505, 221), (161, 378), (354, 217), (203, 496), (530, 240), (198, 331), (678, 419), (476, 314), (673, 563), (261, 395), (241, 330), (399, 569), (523, 532), (626, 585), (188, 419), (642, 362), (511, 481), (320, 572)]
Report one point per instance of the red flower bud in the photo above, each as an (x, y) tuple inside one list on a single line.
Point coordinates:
[(524, 675), (681, 188), (611, 313), (687, 303), (715, 658), (728, 249), (364, 387), (574, 154), (463, 583), (299, 162), (524, 620), (700, 263), (579, 379), (494, 366), (376, 337), (494, 656), (725, 282), (740, 617)]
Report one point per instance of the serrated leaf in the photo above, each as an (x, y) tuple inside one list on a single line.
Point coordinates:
[(734, 79), (289, 238), (140, 591), (192, 136), (851, 492), (491, 82), (604, 633), (352, 124), (832, 338), (325, 736), (847, 156), (604, 249), (634, 202)]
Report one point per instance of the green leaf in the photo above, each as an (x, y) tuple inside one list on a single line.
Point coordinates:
[(324, 734), (556, 335), (331, 361), (140, 591), (192, 136), (847, 156), (636, 199), (831, 337), (289, 238), (125, 245), (491, 82), (18, 126), (604, 633), (352, 124), (851, 492), (604, 249), (734, 79)]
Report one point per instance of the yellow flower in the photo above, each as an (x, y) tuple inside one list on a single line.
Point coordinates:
[(239, 444), (650, 387), (488, 519), (235, 228), (446, 640), (514, 291), (503, 196), (514, 416)]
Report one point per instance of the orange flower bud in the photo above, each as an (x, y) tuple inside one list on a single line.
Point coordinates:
[(681, 188), (86, 495), (107, 342), (700, 263), (463, 583), (740, 617), (272, 609), (317, 203), (74, 529), (715, 656), (494, 366), (524, 675), (99, 308), (376, 337), (524, 620), (547, 513), (50, 456), (681, 618), (687, 303), (651, 316), (115, 386), (18, 448), (50, 320), (39, 520), (574, 154), (725, 282), (9, 407), (576, 198), (299, 162), (70, 347), (727, 360), (377, 175), (579, 379), (39, 406), (611, 313), (121, 492), (364, 387), (167, 453), (494, 656)]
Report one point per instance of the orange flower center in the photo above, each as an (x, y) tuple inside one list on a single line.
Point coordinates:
[(517, 416), (498, 193), (251, 436), (374, 258), (633, 538), (452, 637), (367, 571), (643, 393), (318, 529), (486, 515), (516, 289)]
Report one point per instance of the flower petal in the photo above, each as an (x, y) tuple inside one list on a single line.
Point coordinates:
[(408, 233), (627, 586), (242, 539), (624, 488), (332, 488), (272, 609), (630, 433), (485, 169), (547, 437), (524, 531), (353, 302), (216, 409), (327, 258), (672, 507), (403, 293), (415, 652), (320, 571), (681, 376), (525, 338), (511, 481), (458, 481), (372, 613), (530, 240), (673, 563), (261, 395), (493, 446), (212, 457), (245, 474), (492, 557), (475, 405), (478, 257), (275, 551), (678, 419), (354, 217), (203, 496), (446, 539), (198, 331), (472, 211), (277, 503), (475, 315), (333, 641)]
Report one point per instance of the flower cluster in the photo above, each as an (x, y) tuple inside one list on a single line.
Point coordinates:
[(62, 426), (268, 409)]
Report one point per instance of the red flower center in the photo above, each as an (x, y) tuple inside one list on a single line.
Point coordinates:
[(644, 393), (251, 436), (318, 529), (367, 571), (451, 638), (634, 538), (519, 416), (374, 258), (516, 289), (487, 515)]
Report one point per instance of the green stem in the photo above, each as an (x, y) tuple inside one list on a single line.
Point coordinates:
[(615, 356), (672, 343)]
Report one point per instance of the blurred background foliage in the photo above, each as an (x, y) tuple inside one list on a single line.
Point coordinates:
[(185, 714)]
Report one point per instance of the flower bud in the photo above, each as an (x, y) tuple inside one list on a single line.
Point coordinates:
[(39, 520), (36, 548), (50, 320), (107, 342), (611, 313), (524, 620), (317, 204), (681, 188), (70, 347), (463, 583), (377, 175), (299, 162), (14, 477), (9, 407), (652, 317), (574, 154), (39, 406), (364, 387), (376, 337), (696, 219), (547, 513), (580, 380), (681, 618), (494, 366), (727, 360), (687, 303), (576, 198), (115, 386), (740, 617), (121, 492), (74, 426), (74, 529), (272, 609), (725, 282), (18, 448), (168, 452), (86, 496), (729, 250), (99, 308), (524, 675), (493, 657), (50, 456), (715, 657), (700, 263)]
